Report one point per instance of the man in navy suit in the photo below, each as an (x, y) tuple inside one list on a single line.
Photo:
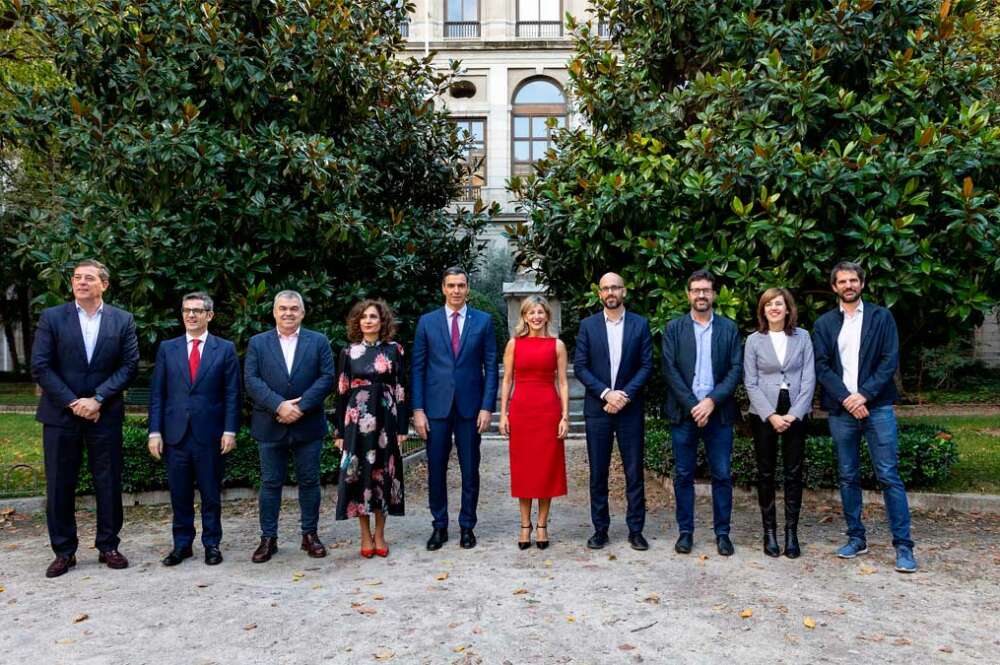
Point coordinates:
[(613, 360), (702, 363), (84, 356), (454, 391), (194, 408), (288, 374)]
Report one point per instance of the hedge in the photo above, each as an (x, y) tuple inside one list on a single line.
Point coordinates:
[(141, 473), (926, 456)]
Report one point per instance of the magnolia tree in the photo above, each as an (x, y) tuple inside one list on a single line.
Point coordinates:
[(240, 146), (766, 140)]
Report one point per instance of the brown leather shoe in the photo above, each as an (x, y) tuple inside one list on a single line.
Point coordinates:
[(266, 549), (60, 566), (312, 546), (114, 559)]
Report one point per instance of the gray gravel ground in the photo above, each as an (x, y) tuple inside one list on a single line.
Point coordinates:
[(495, 604)]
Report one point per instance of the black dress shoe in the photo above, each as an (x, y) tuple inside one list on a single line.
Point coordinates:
[(724, 545), (438, 538), (598, 540), (468, 539), (771, 543), (684, 543), (792, 549), (60, 566), (213, 557), (638, 542), (176, 556)]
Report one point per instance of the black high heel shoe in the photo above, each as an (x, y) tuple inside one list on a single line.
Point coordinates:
[(521, 544), (542, 544)]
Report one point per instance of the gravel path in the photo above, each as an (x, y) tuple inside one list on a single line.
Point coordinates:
[(495, 604)]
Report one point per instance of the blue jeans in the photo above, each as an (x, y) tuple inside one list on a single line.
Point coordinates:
[(273, 470), (879, 430), (718, 440)]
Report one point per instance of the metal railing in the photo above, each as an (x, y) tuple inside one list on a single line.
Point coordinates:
[(470, 193), (461, 29), (539, 29), (404, 28)]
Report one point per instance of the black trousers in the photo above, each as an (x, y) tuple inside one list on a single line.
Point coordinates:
[(63, 447), (793, 448), (629, 430)]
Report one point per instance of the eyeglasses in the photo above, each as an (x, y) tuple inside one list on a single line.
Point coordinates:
[(196, 311), (611, 289), (701, 292)]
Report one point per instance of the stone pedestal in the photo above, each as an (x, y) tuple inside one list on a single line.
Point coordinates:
[(515, 292)]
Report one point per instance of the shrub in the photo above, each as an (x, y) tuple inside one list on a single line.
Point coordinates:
[(926, 456)]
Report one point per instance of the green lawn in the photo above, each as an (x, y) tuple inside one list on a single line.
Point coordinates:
[(18, 394), (977, 471)]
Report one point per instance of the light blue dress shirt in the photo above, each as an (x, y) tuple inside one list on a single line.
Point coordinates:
[(704, 379), (90, 326)]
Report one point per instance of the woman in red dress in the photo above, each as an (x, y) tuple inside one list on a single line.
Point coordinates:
[(534, 363)]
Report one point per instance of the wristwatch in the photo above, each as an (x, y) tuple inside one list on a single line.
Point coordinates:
[(99, 398)]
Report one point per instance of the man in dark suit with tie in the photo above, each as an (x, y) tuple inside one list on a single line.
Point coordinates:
[(194, 414), (454, 391), (84, 356), (702, 363), (288, 374), (613, 360)]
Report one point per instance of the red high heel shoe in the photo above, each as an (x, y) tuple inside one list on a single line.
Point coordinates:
[(382, 552), (368, 553)]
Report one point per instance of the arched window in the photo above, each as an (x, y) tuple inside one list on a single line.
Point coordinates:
[(539, 110)]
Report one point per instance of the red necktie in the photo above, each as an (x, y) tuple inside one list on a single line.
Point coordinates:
[(194, 359), (454, 334)]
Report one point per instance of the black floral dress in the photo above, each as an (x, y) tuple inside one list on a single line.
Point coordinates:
[(371, 412)]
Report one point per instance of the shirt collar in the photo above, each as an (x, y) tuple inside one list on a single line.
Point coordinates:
[(704, 326), (614, 322), (201, 338), (859, 310), (81, 310), (461, 313), (294, 335)]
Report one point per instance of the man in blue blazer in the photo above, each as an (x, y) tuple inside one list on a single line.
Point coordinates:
[(454, 390), (857, 352), (194, 408), (84, 356), (289, 372), (702, 363), (614, 359)]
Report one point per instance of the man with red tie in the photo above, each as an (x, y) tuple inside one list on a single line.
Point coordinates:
[(194, 411)]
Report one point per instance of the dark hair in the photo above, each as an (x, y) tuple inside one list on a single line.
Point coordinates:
[(847, 266), (702, 275), (206, 300), (454, 270), (385, 333), (102, 270), (791, 315)]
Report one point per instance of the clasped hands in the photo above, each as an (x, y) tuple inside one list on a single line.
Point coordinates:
[(288, 411), (702, 411), (615, 401), (781, 423), (87, 408), (855, 405)]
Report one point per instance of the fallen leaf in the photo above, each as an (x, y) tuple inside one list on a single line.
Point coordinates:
[(781, 609), (249, 626), (702, 557), (902, 641), (364, 609), (946, 649), (378, 596), (826, 520), (81, 617), (571, 619), (440, 577), (201, 585), (317, 586), (65, 640), (612, 557), (520, 592), (477, 630), (746, 614), (384, 654), (548, 563), (625, 647), (374, 583), (652, 599), (809, 623), (2, 589), (866, 570), (459, 649)]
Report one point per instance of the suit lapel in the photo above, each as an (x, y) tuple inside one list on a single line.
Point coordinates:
[(102, 331), (791, 349), (866, 320), (602, 344), (206, 361), (689, 347), (299, 350), (445, 331), (73, 323), (272, 341), (181, 360), (466, 332), (627, 332)]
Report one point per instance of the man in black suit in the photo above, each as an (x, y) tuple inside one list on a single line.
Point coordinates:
[(289, 372), (613, 360), (84, 356), (194, 408)]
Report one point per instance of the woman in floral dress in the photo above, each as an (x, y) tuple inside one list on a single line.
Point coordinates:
[(371, 423)]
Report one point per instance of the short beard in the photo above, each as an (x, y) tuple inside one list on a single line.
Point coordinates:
[(617, 304), (857, 297)]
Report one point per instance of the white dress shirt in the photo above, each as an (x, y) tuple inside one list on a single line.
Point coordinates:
[(90, 326), (616, 335), (288, 345), (461, 319), (779, 340), (849, 346)]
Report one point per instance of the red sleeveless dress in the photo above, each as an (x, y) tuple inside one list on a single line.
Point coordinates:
[(537, 455)]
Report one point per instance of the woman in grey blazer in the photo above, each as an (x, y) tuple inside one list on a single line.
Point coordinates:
[(780, 378)]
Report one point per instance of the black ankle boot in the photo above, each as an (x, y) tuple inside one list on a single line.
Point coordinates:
[(792, 550), (771, 543)]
